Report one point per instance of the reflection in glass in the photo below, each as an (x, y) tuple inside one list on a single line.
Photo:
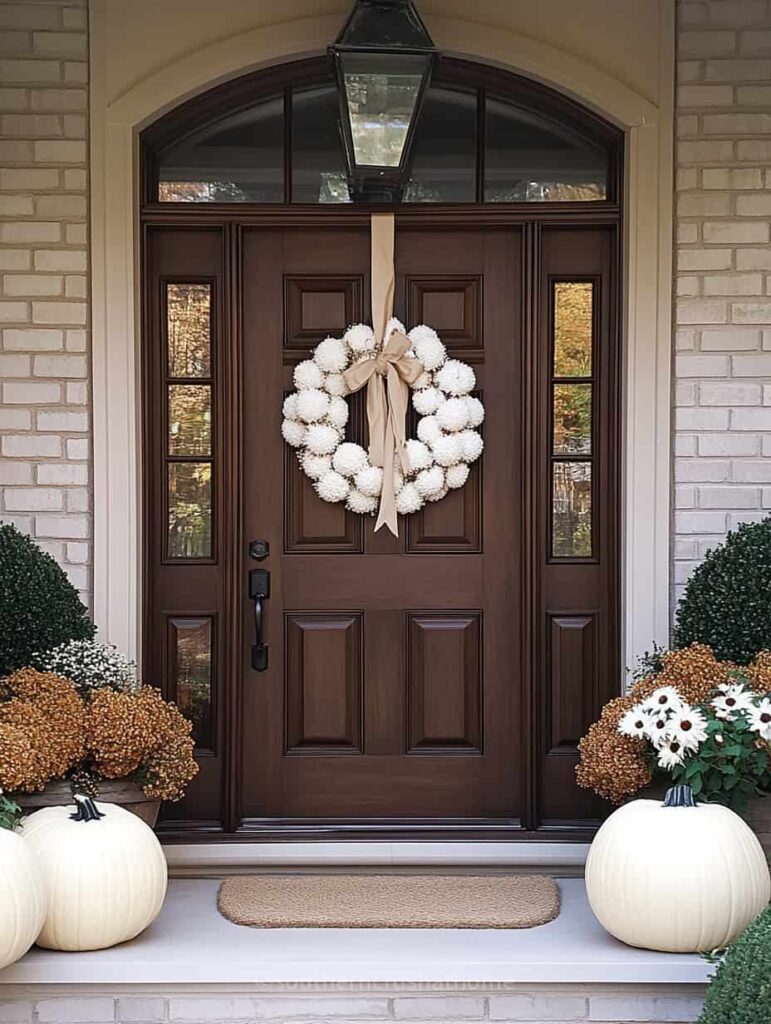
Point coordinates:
[(189, 419), (529, 158), (573, 302), (188, 330), (572, 510), (190, 510), (238, 159), (318, 163), (192, 657), (444, 159), (572, 419), (381, 103)]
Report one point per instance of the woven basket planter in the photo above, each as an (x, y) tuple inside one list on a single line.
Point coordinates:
[(126, 794)]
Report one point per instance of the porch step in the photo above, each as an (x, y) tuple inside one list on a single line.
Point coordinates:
[(194, 966)]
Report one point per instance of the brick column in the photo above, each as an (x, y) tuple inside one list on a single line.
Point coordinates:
[(723, 370), (44, 360)]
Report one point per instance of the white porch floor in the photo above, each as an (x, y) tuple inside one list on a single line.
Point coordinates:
[(191, 944)]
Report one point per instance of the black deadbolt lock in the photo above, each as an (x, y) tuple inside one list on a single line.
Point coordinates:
[(259, 549)]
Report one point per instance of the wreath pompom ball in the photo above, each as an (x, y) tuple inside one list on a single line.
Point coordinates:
[(293, 432), (317, 413), (452, 415), (447, 449), (349, 459), (471, 444), (418, 455), (312, 405), (476, 411), (333, 487), (429, 482), (321, 439), (331, 355), (456, 378), (338, 412), (364, 504), (428, 429), (335, 385), (315, 466), (360, 338), (456, 476), (369, 481), (427, 347), (308, 374), (427, 401), (408, 500)]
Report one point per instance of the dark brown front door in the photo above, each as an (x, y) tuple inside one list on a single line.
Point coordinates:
[(435, 684), (394, 686)]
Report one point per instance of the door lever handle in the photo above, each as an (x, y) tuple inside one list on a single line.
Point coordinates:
[(259, 591)]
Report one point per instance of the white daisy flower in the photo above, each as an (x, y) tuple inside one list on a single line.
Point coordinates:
[(733, 700), (662, 700), (760, 719), (688, 727), (671, 754), (634, 723), (658, 730)]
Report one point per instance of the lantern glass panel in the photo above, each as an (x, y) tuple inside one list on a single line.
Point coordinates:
[(381, 94)]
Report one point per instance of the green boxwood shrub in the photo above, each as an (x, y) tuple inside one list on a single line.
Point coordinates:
[(39, 607), (727, 600), (740, 992)]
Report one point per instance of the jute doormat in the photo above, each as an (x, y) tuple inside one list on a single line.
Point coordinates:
[(389, 901)]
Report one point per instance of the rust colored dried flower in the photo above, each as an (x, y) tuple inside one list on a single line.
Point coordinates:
[(141, 733), (694, 672), (611, 764), (759, 673), (44, 723)]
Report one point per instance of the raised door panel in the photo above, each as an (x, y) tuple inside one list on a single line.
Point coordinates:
[(323, 665), (453, 307), (572, 672), (312, 525), (453, 524), (444, 682), (315, 307)]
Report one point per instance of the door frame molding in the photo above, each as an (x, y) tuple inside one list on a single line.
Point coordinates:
[(116, 317)]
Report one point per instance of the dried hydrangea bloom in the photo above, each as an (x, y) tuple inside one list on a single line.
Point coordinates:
[(19, 764), (47, 710), (759, 673), (695, 672), (170, 764)]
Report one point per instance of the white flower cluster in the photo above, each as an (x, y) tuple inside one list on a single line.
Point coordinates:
[(676, 729), (89, 664), (316, 414)]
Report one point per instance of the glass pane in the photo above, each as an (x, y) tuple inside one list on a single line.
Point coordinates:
[(192, 659), (572, 419), (239, 159), (190, 510), (381, 101), (189, 419), (529, 158), (573, 328), (444, 160), (572, 510), (188, 330), (318, 161)]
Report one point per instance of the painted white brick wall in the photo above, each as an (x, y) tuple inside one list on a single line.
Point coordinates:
[(44, 343), (723, 260)]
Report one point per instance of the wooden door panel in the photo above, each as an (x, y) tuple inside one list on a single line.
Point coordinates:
[(453, 524), (453, 307), (316, 306)]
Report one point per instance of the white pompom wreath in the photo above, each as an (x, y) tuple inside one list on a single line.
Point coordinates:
[(456, 378), (452, 415), (316, 414), (349, 459), (308, 375), (456, 476), (333, 487), (312, 405)]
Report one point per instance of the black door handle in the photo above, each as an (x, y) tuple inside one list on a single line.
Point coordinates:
[(259, 591)]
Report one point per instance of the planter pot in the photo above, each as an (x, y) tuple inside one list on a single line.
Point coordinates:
[(118, 791)]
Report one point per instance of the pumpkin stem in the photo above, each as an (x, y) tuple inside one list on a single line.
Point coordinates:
[(86, 809), (680, 796)]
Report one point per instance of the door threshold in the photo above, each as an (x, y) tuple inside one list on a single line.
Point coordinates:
[(215, 859)]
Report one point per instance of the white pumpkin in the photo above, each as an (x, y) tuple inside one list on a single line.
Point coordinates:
[(679, 877), (104, 871), (22, 898)]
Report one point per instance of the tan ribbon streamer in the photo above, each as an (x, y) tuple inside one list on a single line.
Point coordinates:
[(388, 372)]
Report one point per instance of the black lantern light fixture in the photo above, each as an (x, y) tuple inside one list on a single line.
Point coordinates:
[(383, 60)]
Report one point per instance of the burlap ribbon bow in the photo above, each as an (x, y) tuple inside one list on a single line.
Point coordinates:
[(388, 373)]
